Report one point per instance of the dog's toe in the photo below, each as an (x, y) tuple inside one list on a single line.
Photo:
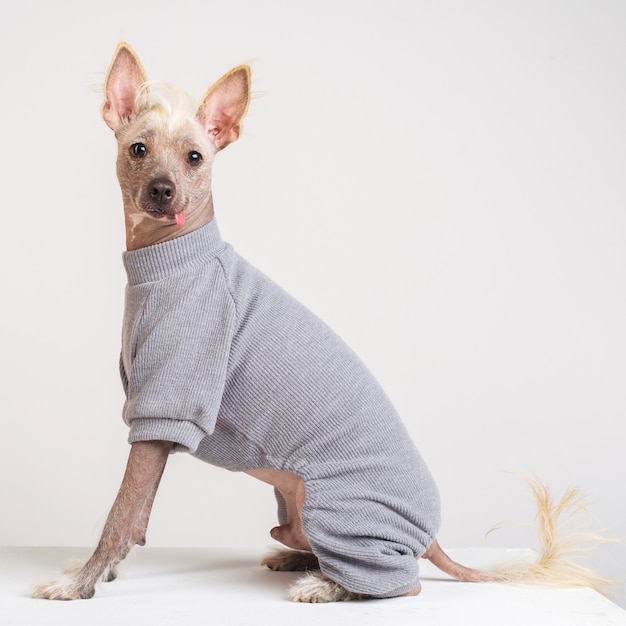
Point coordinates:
[(109, 575)]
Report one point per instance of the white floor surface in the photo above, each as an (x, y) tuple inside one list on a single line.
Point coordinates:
[(189, 587)]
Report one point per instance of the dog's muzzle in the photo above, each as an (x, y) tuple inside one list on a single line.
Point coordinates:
[(161, 192)]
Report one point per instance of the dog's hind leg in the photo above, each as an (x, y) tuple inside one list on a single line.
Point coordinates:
[(125, 526), (290, 494)]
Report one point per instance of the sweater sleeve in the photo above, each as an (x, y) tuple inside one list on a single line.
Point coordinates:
[(178, 357)]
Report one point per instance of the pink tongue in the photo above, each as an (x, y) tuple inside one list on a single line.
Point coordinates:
[(180, 218)]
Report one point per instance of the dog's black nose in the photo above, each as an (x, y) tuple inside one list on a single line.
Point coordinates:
[(161, 191)]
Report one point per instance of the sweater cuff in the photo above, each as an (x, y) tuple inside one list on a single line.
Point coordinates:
[(182, 432)]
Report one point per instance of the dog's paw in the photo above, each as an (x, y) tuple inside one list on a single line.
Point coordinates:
[(66, 586), (63, 588), (291, 561), (315, 587)]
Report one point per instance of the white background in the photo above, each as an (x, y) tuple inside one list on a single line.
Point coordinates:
[(442, 182)]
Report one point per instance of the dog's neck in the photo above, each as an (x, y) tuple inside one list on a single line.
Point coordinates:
[(143, 231)]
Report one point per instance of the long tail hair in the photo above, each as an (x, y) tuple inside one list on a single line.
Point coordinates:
[(561, 543)]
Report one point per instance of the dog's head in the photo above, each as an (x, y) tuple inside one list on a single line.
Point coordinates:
[(167, 141)]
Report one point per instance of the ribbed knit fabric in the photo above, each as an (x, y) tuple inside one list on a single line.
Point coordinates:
[(219, 360)]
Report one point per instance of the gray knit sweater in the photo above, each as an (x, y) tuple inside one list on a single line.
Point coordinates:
[(219, 360)]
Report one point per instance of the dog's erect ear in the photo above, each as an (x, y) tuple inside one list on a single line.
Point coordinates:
[(225, 105), (123, 79)]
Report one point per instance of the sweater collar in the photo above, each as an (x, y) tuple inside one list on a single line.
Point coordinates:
[(165, 259)]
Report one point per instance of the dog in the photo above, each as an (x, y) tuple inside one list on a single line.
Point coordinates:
[(219, 362)]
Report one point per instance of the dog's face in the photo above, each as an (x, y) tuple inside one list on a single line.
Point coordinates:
[(165, 159), (167, 143)]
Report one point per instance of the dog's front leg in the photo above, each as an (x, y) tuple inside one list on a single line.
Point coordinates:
[(125, 526), (147, 495)]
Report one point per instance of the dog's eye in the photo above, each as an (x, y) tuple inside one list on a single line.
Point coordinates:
[(194, 158), (138, 150)]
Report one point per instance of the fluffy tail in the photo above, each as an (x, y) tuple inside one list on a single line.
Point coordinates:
[(561, 542)]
